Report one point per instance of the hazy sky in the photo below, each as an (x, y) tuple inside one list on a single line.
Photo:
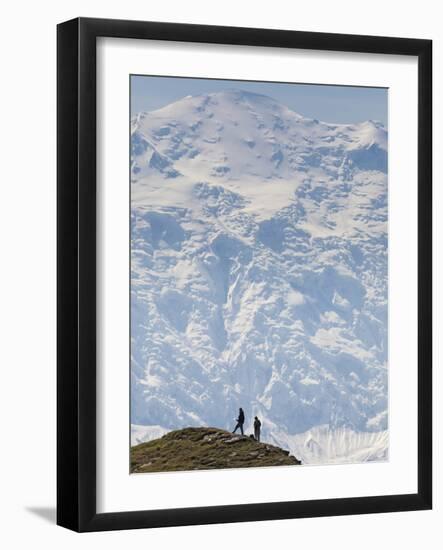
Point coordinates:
[(340, 104)]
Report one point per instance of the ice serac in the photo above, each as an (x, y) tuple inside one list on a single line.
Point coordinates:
[(259, 268)]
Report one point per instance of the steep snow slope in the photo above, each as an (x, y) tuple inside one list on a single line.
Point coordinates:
[(259, 267), (140, 434), (323, 445)]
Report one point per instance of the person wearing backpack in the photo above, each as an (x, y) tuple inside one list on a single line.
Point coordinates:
[(257, 426)]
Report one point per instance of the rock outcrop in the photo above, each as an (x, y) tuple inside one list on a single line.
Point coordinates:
[(206, 449)]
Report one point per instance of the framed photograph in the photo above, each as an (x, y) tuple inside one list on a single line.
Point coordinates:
[(244, 274)]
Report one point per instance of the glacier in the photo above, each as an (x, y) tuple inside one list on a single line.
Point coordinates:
[(259, 275)]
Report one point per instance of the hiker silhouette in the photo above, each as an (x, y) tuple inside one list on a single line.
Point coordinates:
[(257, 426), (240, 421)]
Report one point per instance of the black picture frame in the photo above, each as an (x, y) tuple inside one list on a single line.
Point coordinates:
[(76, 281)]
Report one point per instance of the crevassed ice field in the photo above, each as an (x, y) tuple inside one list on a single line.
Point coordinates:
[(259, 275)]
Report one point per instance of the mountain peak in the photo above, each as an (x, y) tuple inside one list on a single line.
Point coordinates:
[(228, 100), (237, 94)]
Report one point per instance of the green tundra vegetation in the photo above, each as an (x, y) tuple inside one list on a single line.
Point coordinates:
[(205, 449)]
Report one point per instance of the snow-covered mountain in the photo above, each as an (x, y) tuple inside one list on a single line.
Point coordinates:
[(323, 445), (259, 269)]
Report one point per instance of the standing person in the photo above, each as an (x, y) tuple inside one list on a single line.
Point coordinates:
[(257, 426), (240, 421)]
